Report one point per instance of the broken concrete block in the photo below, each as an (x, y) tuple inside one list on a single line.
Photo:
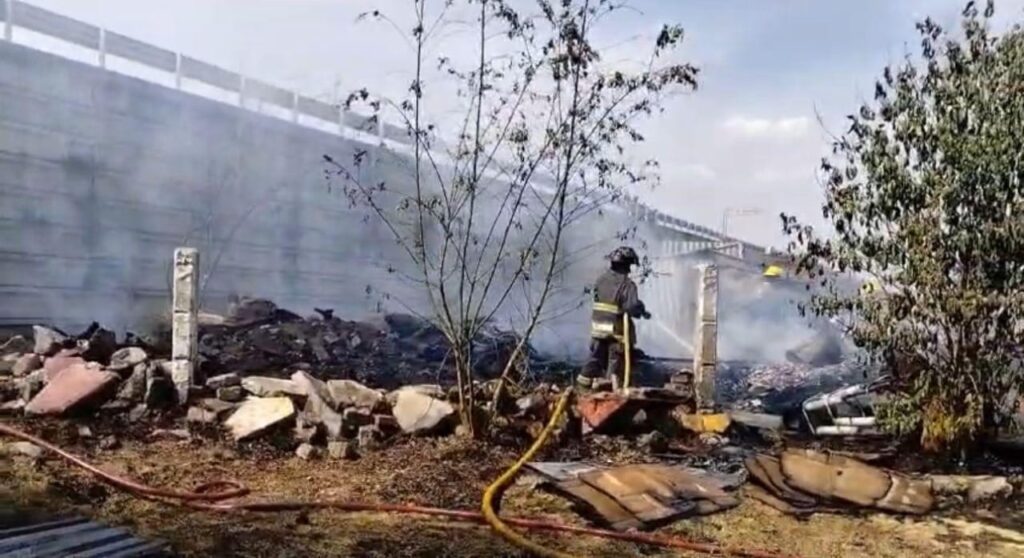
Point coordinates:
[(7, 364), (319, 405), (126, 359), (199, 415), (533, 405), (320, 412), (137, 413), (31, 384), (16, 344), (346, 449), (262, 386), (223, 380), (231, 394), (430, 390), (76, 386), (216, 406), (419, 413), (176, 434), (47, 341), (348, 393), (306, 431), (353, 418), (257, 415), (308, 451), (26, 364), (14, 407), (26, 449), (99, 345), (133, 389), (387, 424), (116, 406), (369, 438), (207, 319), (58, 363), (108, 443), (313, 387), (160, 392), (84, 432)]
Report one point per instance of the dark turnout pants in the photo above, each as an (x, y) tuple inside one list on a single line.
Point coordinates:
[(606, 359)]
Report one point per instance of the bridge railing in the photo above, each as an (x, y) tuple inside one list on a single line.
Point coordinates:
[(105, 43)]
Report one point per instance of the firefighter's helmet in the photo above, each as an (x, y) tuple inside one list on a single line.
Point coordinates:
[(871, 287), (772, 271), (624, 255)]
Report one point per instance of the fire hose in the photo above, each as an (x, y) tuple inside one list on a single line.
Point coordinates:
[(211, 496)]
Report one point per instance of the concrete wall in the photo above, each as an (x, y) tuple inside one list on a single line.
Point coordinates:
[(102, 175)]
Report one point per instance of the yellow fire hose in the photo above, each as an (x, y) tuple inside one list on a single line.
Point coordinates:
[(497, 487), (627, 347)]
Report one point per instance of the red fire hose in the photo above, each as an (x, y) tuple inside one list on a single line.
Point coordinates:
[(212, 496)]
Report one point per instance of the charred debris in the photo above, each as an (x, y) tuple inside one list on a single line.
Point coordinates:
[(322, 387)]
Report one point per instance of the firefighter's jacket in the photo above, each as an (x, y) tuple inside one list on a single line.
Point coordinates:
[(615, 295)]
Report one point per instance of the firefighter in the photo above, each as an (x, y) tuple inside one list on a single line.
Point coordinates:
[(615, 295)]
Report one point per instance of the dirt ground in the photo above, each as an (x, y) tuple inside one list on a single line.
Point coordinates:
[(449, 472)]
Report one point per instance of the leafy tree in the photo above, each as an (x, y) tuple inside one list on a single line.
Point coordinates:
[(539, 141), (925, 194)]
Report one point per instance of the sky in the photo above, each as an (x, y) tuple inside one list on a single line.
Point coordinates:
[(777, 78)]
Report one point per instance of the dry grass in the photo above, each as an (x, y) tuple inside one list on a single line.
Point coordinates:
[(449, 473)]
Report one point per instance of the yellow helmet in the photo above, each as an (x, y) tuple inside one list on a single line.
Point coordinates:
[(870, 287), (772, 271)]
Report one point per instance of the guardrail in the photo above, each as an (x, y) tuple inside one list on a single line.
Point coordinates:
[(18, 14)]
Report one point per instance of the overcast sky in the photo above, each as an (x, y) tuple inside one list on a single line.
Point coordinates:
[(747, 139)]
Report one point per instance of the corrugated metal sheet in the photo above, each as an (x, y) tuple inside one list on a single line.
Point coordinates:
[(76, 537)]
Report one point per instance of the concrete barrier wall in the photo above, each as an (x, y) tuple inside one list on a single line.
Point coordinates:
[(102, 175)]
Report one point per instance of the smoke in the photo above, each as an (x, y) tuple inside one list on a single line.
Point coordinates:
[(108, 174)]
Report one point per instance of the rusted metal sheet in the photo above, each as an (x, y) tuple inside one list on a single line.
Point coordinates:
[(608, 411), (77, 537), (639, 496)]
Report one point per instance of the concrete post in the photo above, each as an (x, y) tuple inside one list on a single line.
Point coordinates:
[(184, 320), (8, 20), (177, 70), (705, 346), (103, 48)]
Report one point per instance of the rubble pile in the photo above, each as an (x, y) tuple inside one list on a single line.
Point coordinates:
[(59, 374), (777, 388), (257, 338)]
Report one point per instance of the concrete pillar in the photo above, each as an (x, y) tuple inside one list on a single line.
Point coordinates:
[(103, 48), (184, 320), (177, 70), (8, 6), (705, 345)]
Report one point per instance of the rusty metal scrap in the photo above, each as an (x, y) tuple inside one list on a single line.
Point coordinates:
[(807, 481), (639, 496)]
